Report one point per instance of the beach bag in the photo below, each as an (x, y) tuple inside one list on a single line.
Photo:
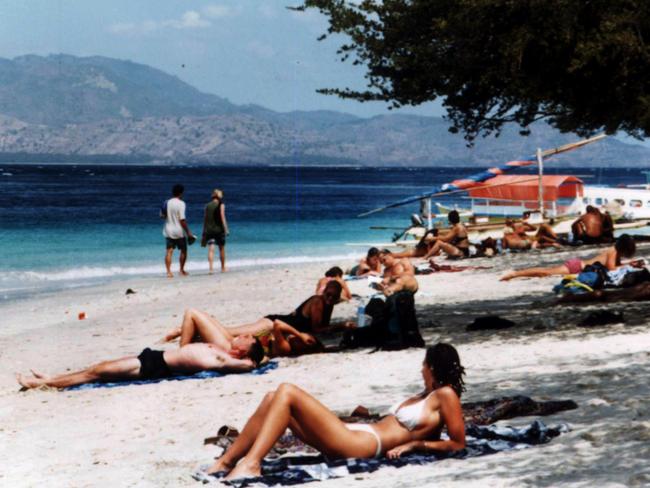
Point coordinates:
[(163, 210), (594, 276), (634, 278), (393, 325)]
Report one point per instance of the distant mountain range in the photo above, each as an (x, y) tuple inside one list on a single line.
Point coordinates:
[(97, 109)]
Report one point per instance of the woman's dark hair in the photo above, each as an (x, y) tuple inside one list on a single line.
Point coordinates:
[(372, 252), (625, 245), (333, 272), (445, 364), (453, 217), (335, 287), (256, 353)]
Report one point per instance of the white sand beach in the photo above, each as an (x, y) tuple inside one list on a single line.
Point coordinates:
[(152, 435)]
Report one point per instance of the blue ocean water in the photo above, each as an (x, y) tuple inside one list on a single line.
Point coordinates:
[(70, 225)]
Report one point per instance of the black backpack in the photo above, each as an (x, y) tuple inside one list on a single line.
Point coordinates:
[(394, 325)]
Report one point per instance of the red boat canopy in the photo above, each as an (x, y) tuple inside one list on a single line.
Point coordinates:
[(526, 187)]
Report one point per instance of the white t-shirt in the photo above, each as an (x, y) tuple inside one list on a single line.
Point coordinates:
[(175, 213)]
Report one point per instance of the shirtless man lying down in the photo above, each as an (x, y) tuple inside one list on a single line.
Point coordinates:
[(243, 354)]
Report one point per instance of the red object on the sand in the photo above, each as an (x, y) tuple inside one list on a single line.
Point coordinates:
[(82, 315)]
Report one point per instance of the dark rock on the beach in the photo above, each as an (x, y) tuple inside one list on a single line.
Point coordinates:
[(490, 322), (129, 291), (602, 317)]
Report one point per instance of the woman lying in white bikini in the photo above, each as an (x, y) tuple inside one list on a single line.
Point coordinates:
[(413, 425)]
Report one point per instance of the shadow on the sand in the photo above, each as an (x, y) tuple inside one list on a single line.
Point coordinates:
[(535, 314)]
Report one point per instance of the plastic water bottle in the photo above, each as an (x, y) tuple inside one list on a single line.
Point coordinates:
[(361, 316), (570, 236)]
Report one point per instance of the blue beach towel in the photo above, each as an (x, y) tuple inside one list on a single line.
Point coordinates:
[(480, 441), (197, 376)]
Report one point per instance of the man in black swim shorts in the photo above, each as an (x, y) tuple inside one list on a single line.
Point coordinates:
[(244, 354)]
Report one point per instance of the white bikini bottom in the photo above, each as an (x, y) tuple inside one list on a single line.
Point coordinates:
[(370, 430)]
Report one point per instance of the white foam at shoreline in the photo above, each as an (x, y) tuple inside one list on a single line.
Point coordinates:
[(14, 280)]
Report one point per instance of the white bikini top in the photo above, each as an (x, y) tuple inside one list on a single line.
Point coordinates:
[(410, 415)]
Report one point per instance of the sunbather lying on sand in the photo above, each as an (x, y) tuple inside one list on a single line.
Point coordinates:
[(368, 266), (610, 258), (413, 425), (239, 355), (334, 274), (421, 248), (280, 340), (312, 316)]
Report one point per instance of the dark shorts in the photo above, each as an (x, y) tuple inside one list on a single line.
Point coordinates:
[(153, 365), (176, 243), (218, 239), (464, 253)]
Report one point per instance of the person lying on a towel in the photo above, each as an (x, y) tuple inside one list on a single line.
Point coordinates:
[(413, 425), (241, 355), (280, 335)]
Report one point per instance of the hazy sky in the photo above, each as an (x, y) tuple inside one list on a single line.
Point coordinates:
[(249, 51)]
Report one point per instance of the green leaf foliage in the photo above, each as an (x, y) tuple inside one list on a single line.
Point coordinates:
[(583, 65)]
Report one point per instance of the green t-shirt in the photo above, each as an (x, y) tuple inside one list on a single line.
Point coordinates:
[(213, 223)]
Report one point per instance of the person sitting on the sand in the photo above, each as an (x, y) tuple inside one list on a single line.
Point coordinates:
[(334, 274), (402, 283), (421, 248), (593, 227), (454, 243), (413, 425), (280, 340), (546, 236), (514, 234), (624, 247), (394, 267), (239, 355)]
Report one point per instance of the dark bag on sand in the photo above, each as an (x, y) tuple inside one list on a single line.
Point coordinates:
[(634, 278), (394, 325)]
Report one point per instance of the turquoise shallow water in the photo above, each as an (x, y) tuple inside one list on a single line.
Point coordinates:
[(70, 225)]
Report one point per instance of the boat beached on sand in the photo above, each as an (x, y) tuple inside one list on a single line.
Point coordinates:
[(495, 196)]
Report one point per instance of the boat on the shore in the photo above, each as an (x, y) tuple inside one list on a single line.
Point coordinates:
[(495, 196)]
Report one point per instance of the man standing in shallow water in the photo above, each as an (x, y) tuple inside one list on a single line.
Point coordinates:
[(175, 229)]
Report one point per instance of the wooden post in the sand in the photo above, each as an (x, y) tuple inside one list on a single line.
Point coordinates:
[(540, 190)]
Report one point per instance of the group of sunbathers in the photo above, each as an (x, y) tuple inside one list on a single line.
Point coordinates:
[(414, 424)]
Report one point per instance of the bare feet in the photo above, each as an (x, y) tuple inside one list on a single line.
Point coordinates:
[(170, 336), (170, 274), (245, 469), (184, 273), (39, 375), (220, 466), (29, 382), (223, 269), (508, 276)]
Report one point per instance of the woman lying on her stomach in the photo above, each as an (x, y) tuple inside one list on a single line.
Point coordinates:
[(610, 258), (413, 425)]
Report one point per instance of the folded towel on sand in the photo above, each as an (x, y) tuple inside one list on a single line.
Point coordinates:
[(196, 376), (304, 467)]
